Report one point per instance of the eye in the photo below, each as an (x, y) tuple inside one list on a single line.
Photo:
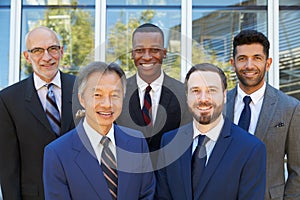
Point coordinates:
[(155, 50), (37, 50), (241, 59), (139, 50), (258, 58), (53, 49)]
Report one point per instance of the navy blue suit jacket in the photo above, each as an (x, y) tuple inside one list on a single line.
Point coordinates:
[(72, 171), (236, 168)]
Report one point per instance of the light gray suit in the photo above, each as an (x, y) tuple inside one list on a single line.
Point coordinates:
[(278, 127)]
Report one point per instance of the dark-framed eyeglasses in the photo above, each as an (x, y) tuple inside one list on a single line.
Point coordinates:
[(142, 51), (52, 50)]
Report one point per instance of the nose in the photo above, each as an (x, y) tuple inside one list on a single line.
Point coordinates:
[(106, 102), (46, 55), (147, 54), (249, 63), (203, 96)]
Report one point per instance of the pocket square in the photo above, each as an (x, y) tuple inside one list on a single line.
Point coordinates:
[(281, 124)]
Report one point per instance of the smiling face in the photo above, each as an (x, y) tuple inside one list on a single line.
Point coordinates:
[(45, 65), (205, 97), (251, 64), (102, 100), (148, 54)]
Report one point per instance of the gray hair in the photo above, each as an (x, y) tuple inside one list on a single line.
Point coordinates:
[(102, 67)]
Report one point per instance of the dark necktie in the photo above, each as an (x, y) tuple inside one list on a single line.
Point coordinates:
[(109, 167), (198, 161), (146, 110), (52, 111), (245, 117)]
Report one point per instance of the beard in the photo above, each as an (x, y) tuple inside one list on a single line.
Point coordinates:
[(253, 82), (206, 118)]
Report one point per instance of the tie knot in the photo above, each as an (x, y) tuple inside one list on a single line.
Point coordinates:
[(49, 86), (148, 89), (105, 141), (200, 139), (247, 100)]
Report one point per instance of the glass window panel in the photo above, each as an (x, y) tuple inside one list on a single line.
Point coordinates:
[(213, 31), (289, 49), (4, 2), (289, 2), (121, 24), (229, 2), (58, 2), (75, 28), (144, 2), (4, 41)]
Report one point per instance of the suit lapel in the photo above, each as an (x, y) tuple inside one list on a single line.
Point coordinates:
[(67, 92), (267, 110), (89, 165), (215, 158), (229, 112), (33, 104)]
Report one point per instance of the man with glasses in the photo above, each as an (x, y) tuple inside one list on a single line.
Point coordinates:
[(33, 112), (154, 102)]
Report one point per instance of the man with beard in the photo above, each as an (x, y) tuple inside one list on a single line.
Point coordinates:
[(275, 116), (211, 158)]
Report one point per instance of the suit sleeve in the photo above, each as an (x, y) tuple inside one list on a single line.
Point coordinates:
[(253, 177), (9, 156), (292, 187), (55, 183)]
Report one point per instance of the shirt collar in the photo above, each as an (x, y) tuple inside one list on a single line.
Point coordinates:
[(255, 96), (212, 134), (96, 137), (155, 85), (39, 83)]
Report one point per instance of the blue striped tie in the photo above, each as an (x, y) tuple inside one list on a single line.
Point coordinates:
[(52, 111), (109, 167)]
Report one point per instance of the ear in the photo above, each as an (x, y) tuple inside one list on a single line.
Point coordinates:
[(225, 96), (268, 64), (165, 53), (26, 56), (81, 100), (232, 64)]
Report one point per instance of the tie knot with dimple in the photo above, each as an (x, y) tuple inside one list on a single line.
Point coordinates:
[(148, 88), (247, 100), (105, 141)]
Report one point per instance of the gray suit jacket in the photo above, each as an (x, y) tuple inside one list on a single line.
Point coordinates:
[(278, 127)]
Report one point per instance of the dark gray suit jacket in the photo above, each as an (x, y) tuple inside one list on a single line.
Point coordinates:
[(24, 133), (171, 114), (278, 127)]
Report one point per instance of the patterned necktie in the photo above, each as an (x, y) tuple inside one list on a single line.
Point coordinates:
[(109, 167), (146, 110), (245, 117), (52, 111), (198, 161)]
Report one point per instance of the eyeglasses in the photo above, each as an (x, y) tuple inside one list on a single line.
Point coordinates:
[(151, 50), (38, 51)]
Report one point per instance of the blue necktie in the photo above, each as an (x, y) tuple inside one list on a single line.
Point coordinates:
[(245, 117), (198, 162), (52, 111), (109, 167)]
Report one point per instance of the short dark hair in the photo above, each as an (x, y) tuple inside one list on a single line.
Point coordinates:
[(206, 67), (251, 37), (102, 67), (148, 27)]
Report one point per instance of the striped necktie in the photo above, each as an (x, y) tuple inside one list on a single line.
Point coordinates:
[(52, 111), (146, 110), (109, 167)]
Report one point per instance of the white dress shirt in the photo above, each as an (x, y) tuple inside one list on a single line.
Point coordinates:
[(42, 90), (155, 93), (96, 137), (213, 136), (257, 98)]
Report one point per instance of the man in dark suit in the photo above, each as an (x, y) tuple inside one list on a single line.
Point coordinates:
[(75, 165), (169, 109), (275, 116), (233, 161), (25, 129)]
